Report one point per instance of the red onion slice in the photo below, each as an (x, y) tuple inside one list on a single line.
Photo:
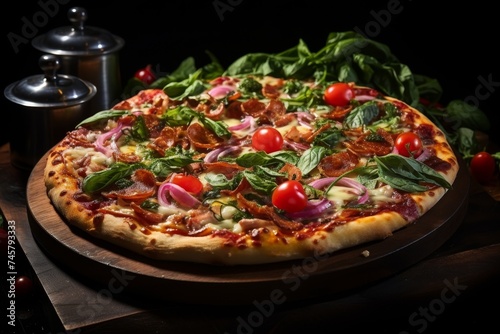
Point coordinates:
[(179, 194), (112, 134), (247, 122), (219, 92), (313, 209), (361, 189)]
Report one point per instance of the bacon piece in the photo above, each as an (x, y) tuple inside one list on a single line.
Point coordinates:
[(77, 138), (197, 222), (285, 119), (293, 172), (201, 137), (153, 124), (324, 127), (339, 113), (129, 158), (267, 213), (338, 163), (364, 147), (143, 187), (151, 217), (253, 223), (222, 167)]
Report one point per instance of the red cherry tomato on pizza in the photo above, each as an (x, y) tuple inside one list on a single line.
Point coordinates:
[(289, 196), (146, 75), (482, 167), (409, 144), (339, 94), (267, 139), (190, 183)]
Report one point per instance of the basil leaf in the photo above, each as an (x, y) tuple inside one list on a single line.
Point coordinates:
[(161, 167), (253, 159), (258, 183), (139, 130), (178, 116), (362, 115), (467, 116), (310, 159), (217, 127), (407, 174), (97, 181), (187, 87), (104, 114)]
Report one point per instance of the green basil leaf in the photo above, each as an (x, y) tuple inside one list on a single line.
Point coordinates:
[(310, 159), (104, 114), (259, 183), (253, 159), (407, 174), (217, 127), (362, 115), (97, 181)]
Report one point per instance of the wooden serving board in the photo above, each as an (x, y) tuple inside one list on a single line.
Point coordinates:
[(341, 272)]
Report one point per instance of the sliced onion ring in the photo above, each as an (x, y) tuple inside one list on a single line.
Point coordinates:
[(218, 92), (362, 191), (313, 209), (179, 194)]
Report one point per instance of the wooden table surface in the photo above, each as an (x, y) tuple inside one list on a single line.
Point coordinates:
[(455, 287)]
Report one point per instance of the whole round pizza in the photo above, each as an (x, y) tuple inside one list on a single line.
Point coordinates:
[(248, 169)]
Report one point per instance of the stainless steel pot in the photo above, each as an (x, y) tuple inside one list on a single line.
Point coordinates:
[(89, 53), (44, 108)]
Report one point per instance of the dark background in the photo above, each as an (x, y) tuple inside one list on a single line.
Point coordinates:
[(455, 44)]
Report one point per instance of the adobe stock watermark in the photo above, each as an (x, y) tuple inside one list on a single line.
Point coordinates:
[(420, 319), (31, 24), (223, 6)]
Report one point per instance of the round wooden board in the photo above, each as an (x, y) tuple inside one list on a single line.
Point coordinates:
[(123, 271)]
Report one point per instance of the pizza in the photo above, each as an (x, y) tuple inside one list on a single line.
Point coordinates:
[(246, 169)]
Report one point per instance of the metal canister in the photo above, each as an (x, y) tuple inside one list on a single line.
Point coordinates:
[(44, 108), (89, 53)]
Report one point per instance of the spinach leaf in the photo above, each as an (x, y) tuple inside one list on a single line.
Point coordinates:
[(139, 130), (462, 114), (253, 159), (97, 181), (104, 114), (178, 116), (310, 159)]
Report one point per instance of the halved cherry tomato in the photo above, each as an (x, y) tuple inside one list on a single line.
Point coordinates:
[(146, 75), (267, 139), (190, 183), (339, 94), (289, 196), (482, 167), (409, 144)]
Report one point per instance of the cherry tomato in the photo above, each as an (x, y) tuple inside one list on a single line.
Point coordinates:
[(339, 94), (146, 75), (289, 196), (409, 144), (267, 139), (24, 286), (482, 167), (190, 183)]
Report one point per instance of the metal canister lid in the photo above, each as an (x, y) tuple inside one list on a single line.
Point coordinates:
[(50, 89), (78, 39)]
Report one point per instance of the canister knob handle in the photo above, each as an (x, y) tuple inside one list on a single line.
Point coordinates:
[(49, 65), (77, 16)]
